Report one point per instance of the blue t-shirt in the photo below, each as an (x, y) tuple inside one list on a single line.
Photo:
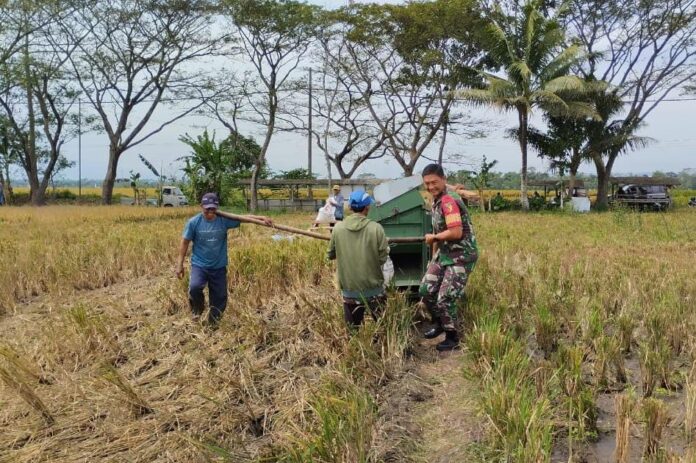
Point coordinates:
[(209, 240)]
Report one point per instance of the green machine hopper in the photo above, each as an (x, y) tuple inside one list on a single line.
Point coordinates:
[(400, 209)]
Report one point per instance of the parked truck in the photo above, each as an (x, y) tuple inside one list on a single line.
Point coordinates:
[(171, 196)]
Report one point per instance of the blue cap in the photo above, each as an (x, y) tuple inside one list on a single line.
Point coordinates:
[(210, 201), (359, 199)]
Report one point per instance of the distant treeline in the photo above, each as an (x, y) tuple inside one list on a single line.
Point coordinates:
[(498, 180)]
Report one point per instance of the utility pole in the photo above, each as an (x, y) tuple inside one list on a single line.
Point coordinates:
[(309, 135), (79, 148)]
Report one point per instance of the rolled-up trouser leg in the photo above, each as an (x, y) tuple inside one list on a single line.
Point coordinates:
[(450, 292), (430, 288), (197, 281), (217, 286)]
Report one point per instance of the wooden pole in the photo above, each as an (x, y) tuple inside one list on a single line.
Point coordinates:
[(298, 231), (310, 194)]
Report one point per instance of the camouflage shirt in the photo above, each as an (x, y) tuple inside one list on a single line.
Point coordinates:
[(449, 211)]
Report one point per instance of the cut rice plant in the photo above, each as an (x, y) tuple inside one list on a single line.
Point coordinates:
[(15, 379), (395, 329), (520, 420), (135, 402), (580, 398), (544, 377), (487, 343), (649, 369), (209, 446), (655, 357), (655, 418), (690, 407), (678, 329), (91, 329), (342, 429), (21, 365), (618, 360), (546, 329), (603, 356), (591, 325), (626, 324), (624, 406)]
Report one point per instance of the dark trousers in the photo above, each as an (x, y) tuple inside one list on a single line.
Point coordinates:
[(354, 309), (216, 280)]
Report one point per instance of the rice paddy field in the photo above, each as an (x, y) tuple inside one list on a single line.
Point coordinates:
[(579, 345)]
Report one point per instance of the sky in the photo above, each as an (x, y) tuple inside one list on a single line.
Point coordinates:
[(670, 126)]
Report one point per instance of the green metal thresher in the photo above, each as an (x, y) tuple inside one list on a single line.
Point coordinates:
[(401, 211)]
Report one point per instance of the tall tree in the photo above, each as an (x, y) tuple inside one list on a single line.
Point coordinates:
[(274, 36), (407, 60), (37, 98), (20, 19), (570, 141), (9, 156), (563, 143), (130, 57), (529, 48), (343, 130), (646, 50)]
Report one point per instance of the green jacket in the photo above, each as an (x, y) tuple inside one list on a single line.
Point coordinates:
[(360, 247)]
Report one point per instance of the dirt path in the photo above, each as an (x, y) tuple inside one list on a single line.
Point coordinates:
[(429, 413)]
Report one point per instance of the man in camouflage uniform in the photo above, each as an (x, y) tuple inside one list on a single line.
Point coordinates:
[(448, 271)]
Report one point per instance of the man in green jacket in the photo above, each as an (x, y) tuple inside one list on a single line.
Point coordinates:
[(360, 247)]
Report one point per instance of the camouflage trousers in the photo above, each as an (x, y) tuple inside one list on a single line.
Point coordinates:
[(441, 289)]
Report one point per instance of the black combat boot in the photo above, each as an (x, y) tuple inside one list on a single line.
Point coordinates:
[(433, 332), (436, 329), (451, 342)]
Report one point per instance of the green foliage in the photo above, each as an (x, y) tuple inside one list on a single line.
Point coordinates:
[(295, 174), (438, 41), (412, 56), (217, 167), (149, 165), (64, 194), (500, 203), (289, 19), (537, 203), (134, 183), (530, 48)]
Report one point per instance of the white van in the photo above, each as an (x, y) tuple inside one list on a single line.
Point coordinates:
[(173, 197)]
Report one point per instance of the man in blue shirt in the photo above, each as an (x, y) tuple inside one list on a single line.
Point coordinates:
[(208, 232)]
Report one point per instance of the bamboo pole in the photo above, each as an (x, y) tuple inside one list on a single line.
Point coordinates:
[(298, 231)]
